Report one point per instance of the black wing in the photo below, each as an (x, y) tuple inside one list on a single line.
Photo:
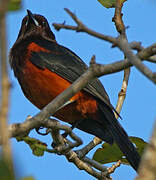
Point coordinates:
[(68, 65)]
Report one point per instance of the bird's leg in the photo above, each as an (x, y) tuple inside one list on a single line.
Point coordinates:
[(40, 133), (65, 134)]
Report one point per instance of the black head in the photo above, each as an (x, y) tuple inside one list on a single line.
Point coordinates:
[(35, 24)]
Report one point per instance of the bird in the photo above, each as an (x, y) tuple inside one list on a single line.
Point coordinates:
[(44, 69)]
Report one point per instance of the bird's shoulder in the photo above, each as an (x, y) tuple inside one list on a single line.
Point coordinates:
[(68, 65)]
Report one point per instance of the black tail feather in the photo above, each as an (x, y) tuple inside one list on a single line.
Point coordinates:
[(120, 137)]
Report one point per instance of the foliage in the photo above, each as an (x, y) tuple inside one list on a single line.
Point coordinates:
[(111, 153), (110, 3), (36, 145)]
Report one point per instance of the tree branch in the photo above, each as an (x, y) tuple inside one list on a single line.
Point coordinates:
[(122, 93), (72, 157), (82, 28), (118, 17), (124, 46), (120, 42), (120, 27), (5, 90), (85, 150)]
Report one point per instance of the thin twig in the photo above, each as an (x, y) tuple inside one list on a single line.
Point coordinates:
[(110, 39), (82, 28), (120, 27), (84, 164), (122, 93), (118, 17), (114, 166), (96, 165), (72, 157), (85, 150), (149, 50), (124, 46), (143, 54), (152, 59)]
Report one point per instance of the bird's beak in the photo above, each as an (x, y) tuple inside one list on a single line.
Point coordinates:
[(31, 19)]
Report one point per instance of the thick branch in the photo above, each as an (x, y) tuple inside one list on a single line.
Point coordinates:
[(3, 7), (95, 70), (5, 90)]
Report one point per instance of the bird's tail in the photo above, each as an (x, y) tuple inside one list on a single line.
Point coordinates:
[(120, 137)]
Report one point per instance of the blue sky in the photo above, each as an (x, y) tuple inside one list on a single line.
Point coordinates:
[(139, 108)]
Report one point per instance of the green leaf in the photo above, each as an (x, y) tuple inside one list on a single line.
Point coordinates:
[(111, 153), (14, 5), (110, 3), (28, 178), (38, 148)]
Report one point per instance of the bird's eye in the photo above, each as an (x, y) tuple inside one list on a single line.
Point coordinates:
[(44, 23)]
